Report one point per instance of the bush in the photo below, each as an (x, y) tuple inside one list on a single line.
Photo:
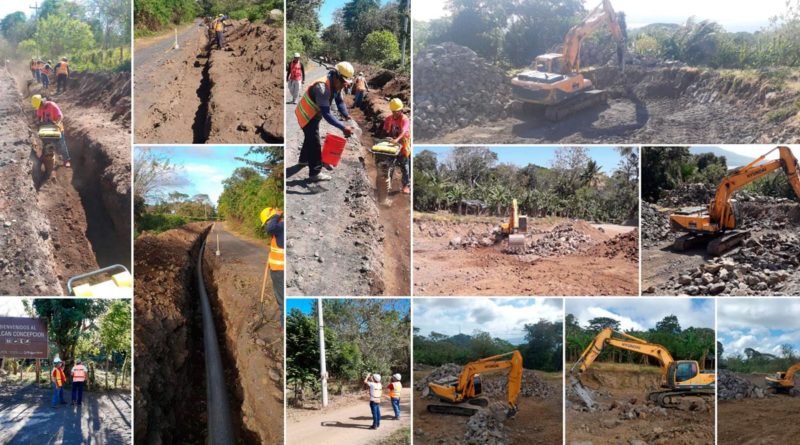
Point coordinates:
[(380, 47), (158, 222)]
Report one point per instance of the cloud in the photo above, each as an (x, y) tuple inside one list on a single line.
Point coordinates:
[(763, 324), (644, 313)]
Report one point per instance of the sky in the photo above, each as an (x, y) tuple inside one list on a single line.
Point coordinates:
[(607, 157), (752, 151), (11, 307), (642, 314), (329, 6), (306, 305), (501, 317), (733, 16), (763, 324), (203, 168)]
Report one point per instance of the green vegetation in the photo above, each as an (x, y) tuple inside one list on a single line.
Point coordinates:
[(541, 350), (399, 437), (683, 344), (362, 31), (93, 34), (573, 187), (666, 168), (152, 16), (758, 362), (361, 336)]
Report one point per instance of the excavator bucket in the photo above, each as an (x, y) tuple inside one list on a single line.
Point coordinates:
[(516, 241), (584, 393)]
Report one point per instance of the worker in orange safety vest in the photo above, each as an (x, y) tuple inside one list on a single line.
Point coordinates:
[(272, 221), (218, 26), (79, 374), (397, 127), (394, 394), (57, 380), (62, 74)]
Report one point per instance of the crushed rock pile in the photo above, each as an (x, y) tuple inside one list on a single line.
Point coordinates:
[(688, 194), (455, 88), (563, 240), (768, 213), (625, 244), (475, 237), (731, 387), (493, 385), (762, 266), (486, 427), (655, 225)]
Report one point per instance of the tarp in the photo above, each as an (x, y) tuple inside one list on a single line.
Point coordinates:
[(22, 337)]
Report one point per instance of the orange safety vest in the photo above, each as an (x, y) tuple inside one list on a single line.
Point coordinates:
[(58, 377), (46, 70), (394, 390), (78, 373), (33, 65), (395, 127), (276, 256), (219, 26), (361, 84), (63, 68), (306, 109)]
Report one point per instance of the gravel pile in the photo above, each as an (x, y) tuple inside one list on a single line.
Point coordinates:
[(564, 239), (688, 194), (730, 387), (655, 225)]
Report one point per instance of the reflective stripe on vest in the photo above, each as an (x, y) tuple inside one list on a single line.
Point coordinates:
[(394, 390), (63, 68), (295, 70), (377, 392), (276, 256), (306, 109), (57, 376), (79, 373)]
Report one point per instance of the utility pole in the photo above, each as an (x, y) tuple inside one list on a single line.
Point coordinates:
[(35, 7), (405, 36), (323, 372)]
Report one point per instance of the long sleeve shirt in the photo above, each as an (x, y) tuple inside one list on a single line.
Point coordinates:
[(324, 97), (275, 228)]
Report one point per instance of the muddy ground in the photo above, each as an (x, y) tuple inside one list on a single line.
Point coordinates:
[(538, 421), (758, 421), (168, 337), (199, 94), (340, 241), (591, 263), (71, 221), (625, 416), (26, 417)]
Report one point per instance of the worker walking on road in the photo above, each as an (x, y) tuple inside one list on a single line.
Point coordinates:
[(272, 220), (62, 74), (360, 88), (394, 394), (218, 26), (316, 104), (295, 76), (397, 127), (48, 112), (373, 382), (79, 373), (57, 380)]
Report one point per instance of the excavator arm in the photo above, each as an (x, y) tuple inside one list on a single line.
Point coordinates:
[(627, 342), (784, 380), (602, 14)]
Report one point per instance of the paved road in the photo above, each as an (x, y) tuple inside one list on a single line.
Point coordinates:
[(157, 52)]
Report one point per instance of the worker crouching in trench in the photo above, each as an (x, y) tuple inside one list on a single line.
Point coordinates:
[(397, 129)]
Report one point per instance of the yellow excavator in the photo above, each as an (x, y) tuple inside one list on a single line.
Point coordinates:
[(783, 381), (679, 378), (555, 83), (514, 230), (717, 223), (467, 388)]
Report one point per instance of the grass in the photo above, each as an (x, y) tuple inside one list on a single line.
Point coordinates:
[(781, 114), (399, 437), (158, 222)]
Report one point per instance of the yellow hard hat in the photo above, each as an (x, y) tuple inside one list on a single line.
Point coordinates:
[(345, 69), (396, 104), (36, 101), (266, 214)]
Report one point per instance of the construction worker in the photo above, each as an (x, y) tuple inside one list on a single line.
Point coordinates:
[(397, 127), (373, 382), (394, 394), (360, 88), (57, 380), (272, 221), (78, 373), (316, 104), (218, 25), (295, 76), (33, 69), (62, 74), (48, 112), (46, 71)]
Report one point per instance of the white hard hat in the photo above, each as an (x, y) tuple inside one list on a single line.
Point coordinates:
[(396, 376), (57, 360), (376, 377), (297, 54)]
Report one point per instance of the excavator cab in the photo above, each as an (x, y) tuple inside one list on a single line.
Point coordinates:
[(681, 371), (550, 63)]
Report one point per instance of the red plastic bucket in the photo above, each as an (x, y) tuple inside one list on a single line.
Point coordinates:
[(332, 149)]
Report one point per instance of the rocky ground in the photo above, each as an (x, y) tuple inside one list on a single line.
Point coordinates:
[(538, 420), (559, 258), (647, 103), (765, 264), (196, 94), (623, 414)]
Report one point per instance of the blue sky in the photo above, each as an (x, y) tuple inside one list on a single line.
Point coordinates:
[(329, 6), (202, 168), (306, 305), (644, 313), (607, 157), (502, 317), (763, 324)]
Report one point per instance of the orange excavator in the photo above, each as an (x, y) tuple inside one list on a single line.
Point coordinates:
[(784, 381), (717, 223), (467, 388), (679, 378), (555, 82)]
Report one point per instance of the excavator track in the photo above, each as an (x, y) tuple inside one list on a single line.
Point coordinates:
[(586, 99), (671, 399), (452, 410), (726, 242)]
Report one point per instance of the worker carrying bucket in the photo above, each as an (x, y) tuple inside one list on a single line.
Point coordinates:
[(394, 151), (315, 105)]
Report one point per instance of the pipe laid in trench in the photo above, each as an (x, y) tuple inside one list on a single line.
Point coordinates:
[(220, 431)]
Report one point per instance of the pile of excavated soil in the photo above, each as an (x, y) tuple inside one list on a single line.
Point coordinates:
[(246, 95), (110, 91), (625, 245), (565, 239), (168, 339), (732, 387), (455, 88)]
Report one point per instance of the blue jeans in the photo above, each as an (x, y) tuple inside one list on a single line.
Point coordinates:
[(45, 80), (396, 407), (58, 394), (77, 390), (220, 38), (357, 100), (64, 150), (375, 407)]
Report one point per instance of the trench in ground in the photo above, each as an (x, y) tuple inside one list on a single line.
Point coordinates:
[(201, 126)]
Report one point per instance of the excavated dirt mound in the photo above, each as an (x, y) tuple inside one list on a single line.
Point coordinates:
[(625, 245), (168, 339), (110, 91)]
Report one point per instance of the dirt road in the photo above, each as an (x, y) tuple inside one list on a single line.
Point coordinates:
[(348, 424), (197, 93), (334, 231), (26, 417)]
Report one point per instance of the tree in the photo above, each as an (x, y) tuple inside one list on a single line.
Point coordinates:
[(59, 35), (380, 47), (669, 324), (154, 171), (66, 320), (15, 28), (597, 324), (115, 332)]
